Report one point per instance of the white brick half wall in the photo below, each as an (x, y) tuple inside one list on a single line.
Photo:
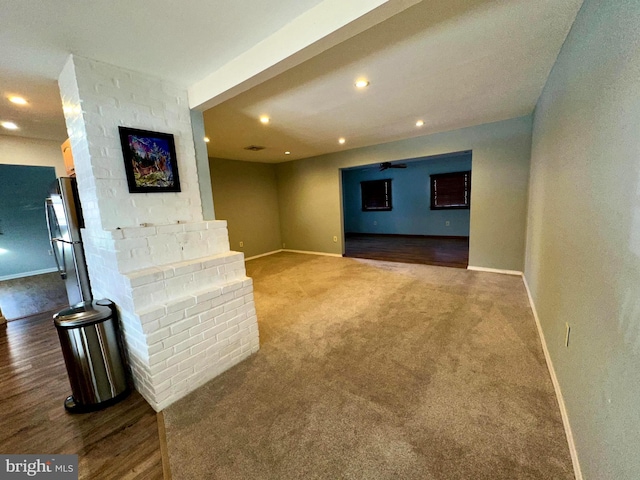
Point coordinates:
[(184, 300)]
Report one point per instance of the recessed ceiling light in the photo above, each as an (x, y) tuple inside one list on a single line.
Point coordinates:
[(362, 83), (18, 100), (206, 140), (264, 119), (419, 123), (71, 109), (287, 153), (341, 141), (9, 125)]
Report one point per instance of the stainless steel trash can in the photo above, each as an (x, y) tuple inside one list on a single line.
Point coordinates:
[(92, 349)]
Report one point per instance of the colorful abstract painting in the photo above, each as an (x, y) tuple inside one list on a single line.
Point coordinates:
[(150, 161)]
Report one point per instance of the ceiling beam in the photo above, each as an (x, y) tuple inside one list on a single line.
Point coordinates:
[(320, 28)]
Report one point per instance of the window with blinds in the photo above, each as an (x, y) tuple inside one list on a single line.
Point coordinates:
[(451, 190), (376, 195)]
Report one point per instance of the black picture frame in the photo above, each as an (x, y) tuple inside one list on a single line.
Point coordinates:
[(150, 161)]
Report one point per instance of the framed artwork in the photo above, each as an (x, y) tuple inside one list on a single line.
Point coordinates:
[(149, 161)]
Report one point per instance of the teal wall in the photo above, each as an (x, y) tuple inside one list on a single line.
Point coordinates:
[(24, 239), (411, 196)]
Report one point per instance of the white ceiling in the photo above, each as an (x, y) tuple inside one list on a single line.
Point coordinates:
[(453, 63), (179, 41)]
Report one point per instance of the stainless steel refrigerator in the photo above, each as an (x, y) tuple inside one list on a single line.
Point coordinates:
[(64, 220)]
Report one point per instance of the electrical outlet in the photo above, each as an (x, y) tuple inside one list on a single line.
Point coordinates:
[(283, 245), (241, 244), (335, 239), (447, 223), (566, 337), (375, 222)]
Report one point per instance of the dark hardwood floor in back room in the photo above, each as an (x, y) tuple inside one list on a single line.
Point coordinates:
[(120, 442), (440, 251)]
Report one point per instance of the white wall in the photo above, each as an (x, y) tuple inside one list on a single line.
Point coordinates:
[(184, 300), (583, 239), (149, 103), (30, 151)]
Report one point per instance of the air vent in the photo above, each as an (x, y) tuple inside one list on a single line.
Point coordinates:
[(254, 148)]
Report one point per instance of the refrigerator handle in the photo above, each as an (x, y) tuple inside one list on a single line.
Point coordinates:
[(48, 205)]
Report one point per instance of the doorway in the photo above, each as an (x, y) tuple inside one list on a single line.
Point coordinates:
[(27, 284), (407, 210)]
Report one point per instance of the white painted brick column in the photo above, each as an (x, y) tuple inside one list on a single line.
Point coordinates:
[(184, 300)]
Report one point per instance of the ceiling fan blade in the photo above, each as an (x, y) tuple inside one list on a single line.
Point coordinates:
[(385, 165)]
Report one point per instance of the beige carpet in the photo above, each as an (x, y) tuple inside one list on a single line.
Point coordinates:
[(374, 370)]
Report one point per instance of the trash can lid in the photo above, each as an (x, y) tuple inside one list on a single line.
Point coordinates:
[(82, 314)]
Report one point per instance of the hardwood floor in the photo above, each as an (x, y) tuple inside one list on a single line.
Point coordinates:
[(120, 442), (441, 251), (27, 296)]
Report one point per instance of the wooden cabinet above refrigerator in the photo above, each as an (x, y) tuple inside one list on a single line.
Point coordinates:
[(68, 158)]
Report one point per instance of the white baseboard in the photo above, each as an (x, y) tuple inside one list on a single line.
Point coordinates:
[(293, 251), (556, 386), (28, 274), (312, 253), (494, 270), (262, 255)]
